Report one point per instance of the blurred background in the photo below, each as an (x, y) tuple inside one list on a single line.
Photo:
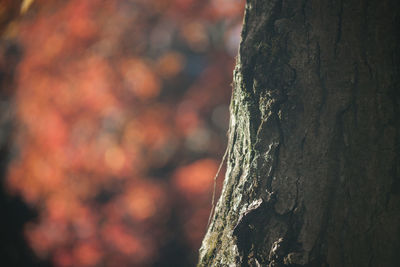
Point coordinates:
[(113, 119)]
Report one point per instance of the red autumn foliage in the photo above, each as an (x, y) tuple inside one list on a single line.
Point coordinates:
[(122, 112)]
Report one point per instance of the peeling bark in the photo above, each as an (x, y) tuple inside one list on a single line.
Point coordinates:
[(313, 163)]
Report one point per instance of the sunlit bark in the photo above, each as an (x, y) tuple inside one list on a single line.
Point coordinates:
[(314, 144)]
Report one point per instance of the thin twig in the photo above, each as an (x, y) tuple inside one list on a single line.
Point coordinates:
[(215, 186)]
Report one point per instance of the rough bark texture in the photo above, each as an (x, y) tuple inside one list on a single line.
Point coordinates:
[(313, 166)]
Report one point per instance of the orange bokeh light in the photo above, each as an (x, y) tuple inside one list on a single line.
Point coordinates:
[(115, 143)]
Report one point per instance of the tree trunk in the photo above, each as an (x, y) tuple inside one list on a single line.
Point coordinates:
[(313, 165)]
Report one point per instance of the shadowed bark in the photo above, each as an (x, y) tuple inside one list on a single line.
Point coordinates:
[(313, 164)]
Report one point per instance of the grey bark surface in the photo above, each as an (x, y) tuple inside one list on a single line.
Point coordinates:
[(313, 163)]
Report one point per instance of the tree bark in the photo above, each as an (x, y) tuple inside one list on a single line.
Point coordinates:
[(313, 165)]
